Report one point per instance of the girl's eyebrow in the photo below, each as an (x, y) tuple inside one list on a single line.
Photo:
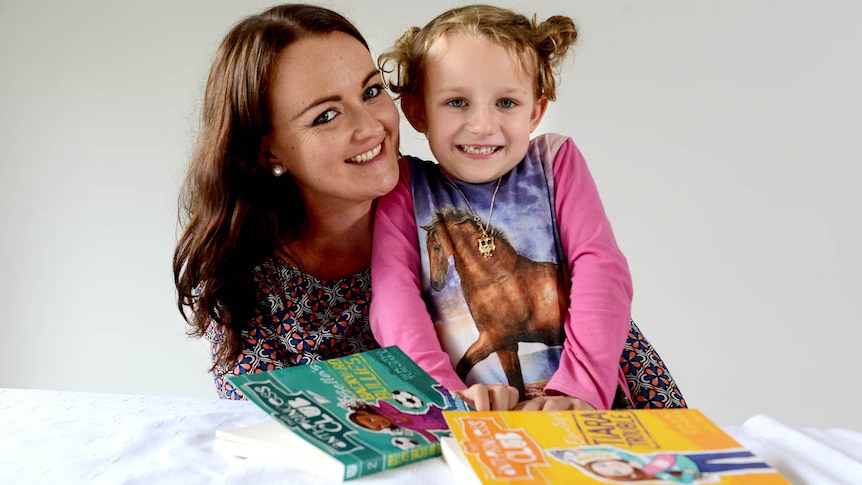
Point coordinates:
[(333, 98)]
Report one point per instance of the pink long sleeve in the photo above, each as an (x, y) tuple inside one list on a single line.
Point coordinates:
[(601, 292), (398, 313)]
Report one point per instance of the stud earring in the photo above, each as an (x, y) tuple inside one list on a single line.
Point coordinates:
[(277, 170)]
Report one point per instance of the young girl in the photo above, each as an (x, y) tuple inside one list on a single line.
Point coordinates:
[(539, 294)]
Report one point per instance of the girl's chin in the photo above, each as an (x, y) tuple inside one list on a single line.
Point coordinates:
[(474, 176)]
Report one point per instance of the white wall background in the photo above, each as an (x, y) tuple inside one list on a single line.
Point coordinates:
[(723, 137)]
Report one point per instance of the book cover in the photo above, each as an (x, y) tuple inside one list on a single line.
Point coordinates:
[(363, 414), (665, 446)]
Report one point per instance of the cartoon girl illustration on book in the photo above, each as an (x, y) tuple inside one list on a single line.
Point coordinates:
[(386, 417), (618, 465)]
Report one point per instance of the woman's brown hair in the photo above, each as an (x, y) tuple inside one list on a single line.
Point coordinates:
[(235, 212)]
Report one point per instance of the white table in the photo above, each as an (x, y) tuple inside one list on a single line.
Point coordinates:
[(51, 437)]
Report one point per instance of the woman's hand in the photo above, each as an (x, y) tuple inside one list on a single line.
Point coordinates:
[(491, 397), (554, 403)]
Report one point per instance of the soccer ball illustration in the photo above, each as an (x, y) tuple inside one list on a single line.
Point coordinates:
[(404, 443), (407, 399)]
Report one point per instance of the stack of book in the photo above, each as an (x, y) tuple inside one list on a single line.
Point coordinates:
[(352, 416)]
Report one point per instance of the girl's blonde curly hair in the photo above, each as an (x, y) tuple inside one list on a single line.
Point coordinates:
[(541, 45)]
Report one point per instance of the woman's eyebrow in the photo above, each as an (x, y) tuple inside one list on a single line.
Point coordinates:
[(370, 75), (317, 102), (335, 97)]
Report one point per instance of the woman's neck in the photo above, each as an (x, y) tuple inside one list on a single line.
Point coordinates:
[(334, 243)]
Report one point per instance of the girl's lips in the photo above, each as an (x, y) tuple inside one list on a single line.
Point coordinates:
[(479, 149)]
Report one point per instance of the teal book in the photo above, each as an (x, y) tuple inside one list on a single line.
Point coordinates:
[(344, 418)]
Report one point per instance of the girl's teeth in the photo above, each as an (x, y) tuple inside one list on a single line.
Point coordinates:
[(483, 150), (364, 157)]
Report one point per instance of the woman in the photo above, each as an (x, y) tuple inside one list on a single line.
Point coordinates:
[(298, 139)]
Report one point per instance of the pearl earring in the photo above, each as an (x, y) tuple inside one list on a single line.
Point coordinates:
[(277, 170)]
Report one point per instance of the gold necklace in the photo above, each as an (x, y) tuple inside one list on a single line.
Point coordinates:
[(485, 241)]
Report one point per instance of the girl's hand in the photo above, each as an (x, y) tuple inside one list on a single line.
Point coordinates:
[(554, 403), (491, 397)]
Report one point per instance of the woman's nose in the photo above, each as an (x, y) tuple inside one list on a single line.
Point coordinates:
[(368, 124)]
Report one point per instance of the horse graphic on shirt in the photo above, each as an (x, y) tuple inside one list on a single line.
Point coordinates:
[(511, 298)]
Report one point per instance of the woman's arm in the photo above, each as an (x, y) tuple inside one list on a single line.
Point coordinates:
[(255, 356)]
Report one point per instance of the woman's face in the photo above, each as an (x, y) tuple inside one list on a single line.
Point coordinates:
[(335, 128)]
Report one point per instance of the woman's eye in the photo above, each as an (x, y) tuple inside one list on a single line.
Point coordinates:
[(457, 103), (325, 117), (373, 91), (507, 103)]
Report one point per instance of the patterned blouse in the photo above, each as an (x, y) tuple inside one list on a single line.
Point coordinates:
[(298, 319)]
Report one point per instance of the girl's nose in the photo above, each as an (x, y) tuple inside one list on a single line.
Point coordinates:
[(482, 122)]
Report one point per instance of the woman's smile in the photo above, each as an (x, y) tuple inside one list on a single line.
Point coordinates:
[(369, 155)]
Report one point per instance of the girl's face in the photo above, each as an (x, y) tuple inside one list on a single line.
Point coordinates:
[(478, 107), (335, 129)]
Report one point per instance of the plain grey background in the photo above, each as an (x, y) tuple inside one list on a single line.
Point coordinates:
[(722, 135)]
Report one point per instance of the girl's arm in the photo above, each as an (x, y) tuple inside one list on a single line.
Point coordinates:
[(398, 314), (597, 321)]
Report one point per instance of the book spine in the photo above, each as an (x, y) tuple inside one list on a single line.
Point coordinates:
[(422, 452), (356, 466)]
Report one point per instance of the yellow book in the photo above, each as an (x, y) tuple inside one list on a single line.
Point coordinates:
[(580, 447)]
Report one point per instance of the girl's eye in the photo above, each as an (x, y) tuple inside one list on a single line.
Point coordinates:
[(325, 117), (373, 91), (457, 103), (506, 103)]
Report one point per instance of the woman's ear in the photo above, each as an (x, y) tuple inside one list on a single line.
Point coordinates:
[(414, 111), (265, 157), (538, 113), (267, 160)]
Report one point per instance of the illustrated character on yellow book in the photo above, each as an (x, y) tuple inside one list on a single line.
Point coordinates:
[(618, 465)]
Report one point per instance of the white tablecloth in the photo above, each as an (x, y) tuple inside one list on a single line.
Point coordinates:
[(50, 437), (808, 456)]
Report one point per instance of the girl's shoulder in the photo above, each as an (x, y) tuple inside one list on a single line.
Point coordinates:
[(550, 142), (548, 149), (416, 162)]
